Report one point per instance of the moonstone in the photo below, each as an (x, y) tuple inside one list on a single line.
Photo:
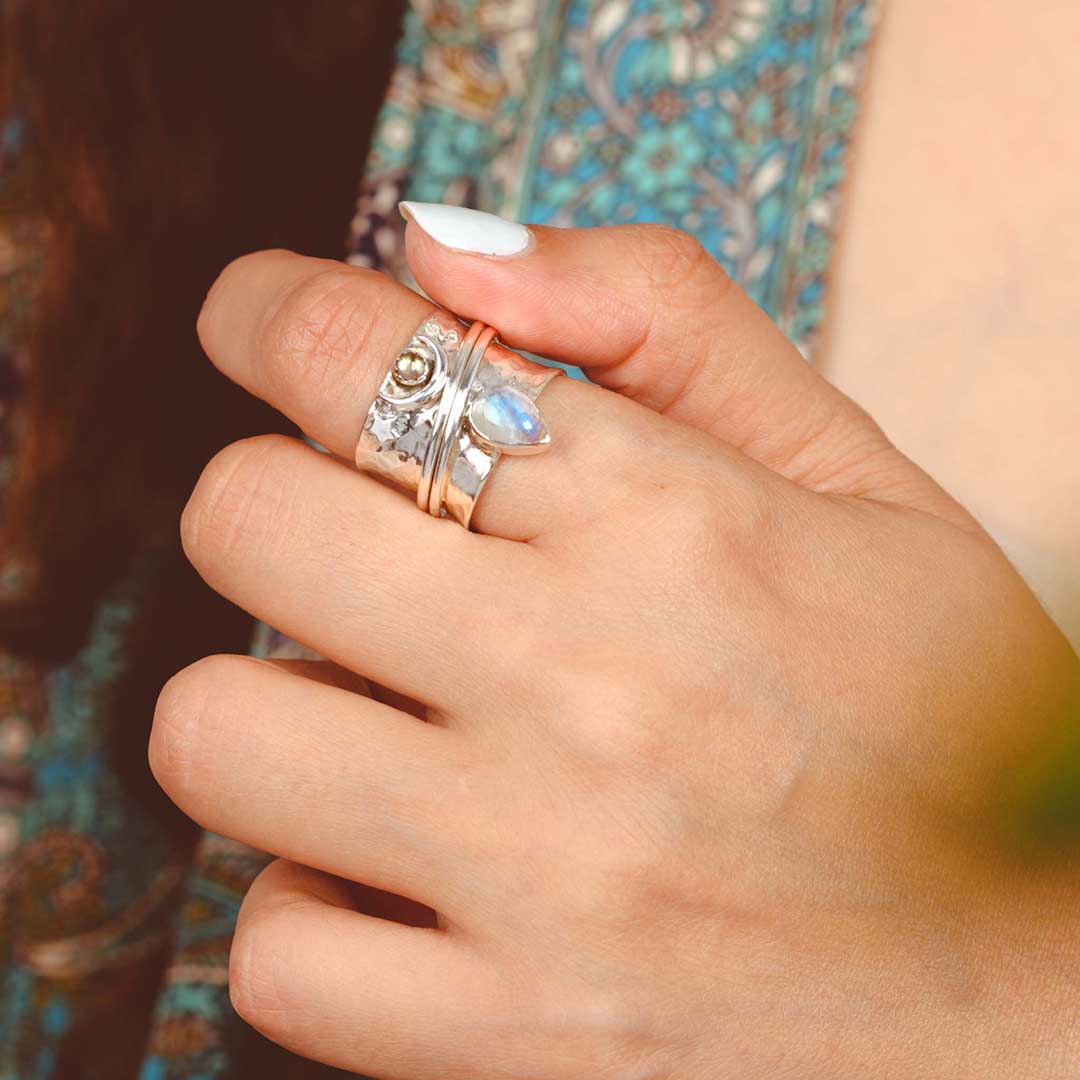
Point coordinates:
[(509, 420)]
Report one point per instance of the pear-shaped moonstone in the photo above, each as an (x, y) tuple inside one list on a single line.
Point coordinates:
[(508, 420)]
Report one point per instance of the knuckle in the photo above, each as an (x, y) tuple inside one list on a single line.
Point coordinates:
[(611, 720), (668, 257), (188, 708), (620, 733), (637, 862), (621, 876), (238, 502), (618, 1031), (309, 344), (715, 523), (694, 515)]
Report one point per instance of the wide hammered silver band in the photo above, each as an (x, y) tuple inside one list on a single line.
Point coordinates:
[(455, 399)]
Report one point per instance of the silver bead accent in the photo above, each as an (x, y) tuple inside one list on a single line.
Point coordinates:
[(412, 368)]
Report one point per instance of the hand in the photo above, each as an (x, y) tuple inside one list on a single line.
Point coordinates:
[(735, 717)]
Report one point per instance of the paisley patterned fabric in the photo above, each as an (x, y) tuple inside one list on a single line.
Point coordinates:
[(729, 119)]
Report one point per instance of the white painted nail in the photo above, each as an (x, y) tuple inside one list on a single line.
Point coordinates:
[(474, 231)]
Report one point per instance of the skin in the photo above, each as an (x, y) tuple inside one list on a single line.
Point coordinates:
[(737, 724), (952, 305)]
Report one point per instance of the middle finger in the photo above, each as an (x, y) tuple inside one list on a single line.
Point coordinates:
[(348, 567)]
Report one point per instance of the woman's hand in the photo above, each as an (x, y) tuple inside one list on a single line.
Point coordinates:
[(736, 718)]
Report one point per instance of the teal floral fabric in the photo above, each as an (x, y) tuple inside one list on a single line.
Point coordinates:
[(729, 119)]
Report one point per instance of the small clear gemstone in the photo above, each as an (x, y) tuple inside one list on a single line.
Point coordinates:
[(412, 368)]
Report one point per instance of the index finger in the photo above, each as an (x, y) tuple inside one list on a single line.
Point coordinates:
[(312, 337), (315, 339)]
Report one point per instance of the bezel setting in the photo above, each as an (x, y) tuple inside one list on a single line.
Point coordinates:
[(401, 392)]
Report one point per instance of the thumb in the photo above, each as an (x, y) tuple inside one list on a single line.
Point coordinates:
[(645, 311)]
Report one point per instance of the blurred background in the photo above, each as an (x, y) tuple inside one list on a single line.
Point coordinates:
[(145, 145)]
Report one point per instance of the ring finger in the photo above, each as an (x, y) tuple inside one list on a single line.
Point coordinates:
[(307, 770)]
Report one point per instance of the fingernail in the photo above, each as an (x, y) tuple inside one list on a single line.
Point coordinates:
[(473, 231)]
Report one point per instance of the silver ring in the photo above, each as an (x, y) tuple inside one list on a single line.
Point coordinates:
[(454, 401)]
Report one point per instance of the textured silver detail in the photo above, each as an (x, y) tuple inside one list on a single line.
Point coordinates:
[(401, 424)]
